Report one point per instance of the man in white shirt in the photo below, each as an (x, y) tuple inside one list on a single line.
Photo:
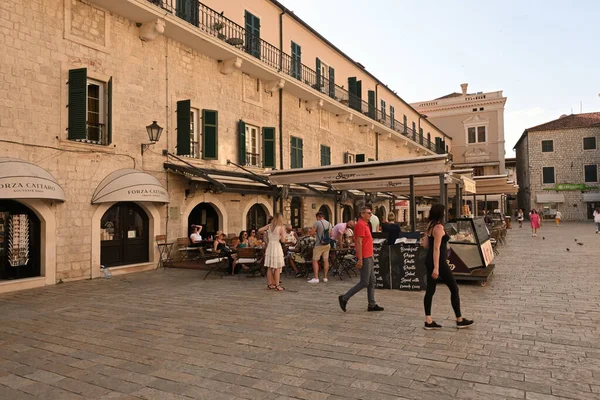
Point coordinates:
[(374, 221), (195, 236)]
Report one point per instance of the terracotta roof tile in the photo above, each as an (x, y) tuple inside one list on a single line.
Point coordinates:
[(569, 122)]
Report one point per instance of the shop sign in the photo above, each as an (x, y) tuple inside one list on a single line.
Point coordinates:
[(29, 187), (571, 186)]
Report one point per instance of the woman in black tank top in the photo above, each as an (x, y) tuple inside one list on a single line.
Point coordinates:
[(436, 243)]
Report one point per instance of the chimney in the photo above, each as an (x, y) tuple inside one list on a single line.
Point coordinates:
[(464, 87)]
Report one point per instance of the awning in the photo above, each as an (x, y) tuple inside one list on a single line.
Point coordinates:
[(23, 180), (361, 173), (549, 198), (130, 185), (495, 184), (591, 197)]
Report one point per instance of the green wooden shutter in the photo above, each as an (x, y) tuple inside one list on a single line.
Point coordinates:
[(296, 67), (359, 92), (77, 104), (300, 156), (109, 114), (183, 128), (268, 136), (392, 117), (331, 82), (371, 101), (360, 158), (319, 82), (352, 92), (252, 34), (210, 134), (325, 155), (293, 152), (242, 142), (404, 130)]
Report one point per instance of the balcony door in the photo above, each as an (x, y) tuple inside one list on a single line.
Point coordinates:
[(252, 34)]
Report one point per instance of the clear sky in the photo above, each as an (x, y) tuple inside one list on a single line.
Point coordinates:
[(544, 55)]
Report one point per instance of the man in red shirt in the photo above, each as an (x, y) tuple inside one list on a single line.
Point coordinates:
[(363, 244)]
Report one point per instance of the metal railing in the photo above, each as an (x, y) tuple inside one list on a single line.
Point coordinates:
[(253, 159), (96, 133), (215, 24)]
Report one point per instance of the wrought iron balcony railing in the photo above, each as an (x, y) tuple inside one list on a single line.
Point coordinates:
[(213, 23)]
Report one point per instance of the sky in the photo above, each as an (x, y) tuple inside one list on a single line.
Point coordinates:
[(543, 55)]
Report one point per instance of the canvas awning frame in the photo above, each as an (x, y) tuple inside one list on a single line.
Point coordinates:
[(20, 179), (128, 184)]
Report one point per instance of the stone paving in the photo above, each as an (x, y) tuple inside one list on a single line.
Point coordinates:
[(171, 335)]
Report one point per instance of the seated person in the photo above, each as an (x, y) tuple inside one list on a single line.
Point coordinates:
[(252, 239), (195, 236), (290, 241), (391, 228), (305, 242), (241, 243), (243, 240)]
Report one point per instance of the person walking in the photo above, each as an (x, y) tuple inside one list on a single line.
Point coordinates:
[(274, 252), (363, 244), (557, 218), (436, 241), (596, 216), (322, 246), (534, 219), (520, 217)]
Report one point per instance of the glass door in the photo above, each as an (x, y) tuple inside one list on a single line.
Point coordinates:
[(124, 235)]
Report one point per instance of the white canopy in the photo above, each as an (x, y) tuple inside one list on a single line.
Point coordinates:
[(130, 185), (23, 180), (549, 198)]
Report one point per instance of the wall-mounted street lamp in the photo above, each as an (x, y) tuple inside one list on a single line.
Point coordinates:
[(154, 130)]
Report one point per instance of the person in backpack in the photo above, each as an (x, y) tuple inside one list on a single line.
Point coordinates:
[(322, 228)]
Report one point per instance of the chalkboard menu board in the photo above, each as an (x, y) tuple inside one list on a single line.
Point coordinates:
[(400, 267)]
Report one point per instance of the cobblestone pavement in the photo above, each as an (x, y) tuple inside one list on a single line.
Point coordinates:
[(171, 335)]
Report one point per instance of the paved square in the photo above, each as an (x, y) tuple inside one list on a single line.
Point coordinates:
[(171, 335)]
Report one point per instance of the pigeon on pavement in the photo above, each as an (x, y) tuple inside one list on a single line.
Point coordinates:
[(568, 249), (579, 243)]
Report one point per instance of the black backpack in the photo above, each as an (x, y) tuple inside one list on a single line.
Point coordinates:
[(326, 239)]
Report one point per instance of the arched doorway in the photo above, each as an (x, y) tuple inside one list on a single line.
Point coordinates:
[(296, 211), (346, 213), (256, 217), (326, 213), (19, 241), (206, 215), (124, 235)]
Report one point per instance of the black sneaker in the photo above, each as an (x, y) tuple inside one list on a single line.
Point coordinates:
[(375, 308), (465, 323), (342, 303), (432, 325)]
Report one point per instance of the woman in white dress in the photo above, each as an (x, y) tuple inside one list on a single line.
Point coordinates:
[(274, 252)]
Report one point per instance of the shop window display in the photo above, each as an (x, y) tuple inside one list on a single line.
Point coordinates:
[(19, 241)]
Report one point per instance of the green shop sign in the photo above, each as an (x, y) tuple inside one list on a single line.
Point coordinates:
[(571, 186)]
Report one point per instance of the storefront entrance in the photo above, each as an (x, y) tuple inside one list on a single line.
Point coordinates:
[(256, 218), (19, 241), (124, 235), (204, 214)]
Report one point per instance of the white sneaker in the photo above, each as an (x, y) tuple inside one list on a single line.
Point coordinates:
[(325, 280), (313, 280)]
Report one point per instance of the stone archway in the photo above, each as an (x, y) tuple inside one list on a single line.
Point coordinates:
[(260, 202), (326, 213), (215, 203)]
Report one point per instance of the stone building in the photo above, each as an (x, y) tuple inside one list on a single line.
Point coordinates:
[(557, 166), (475, 121), (237, 89)]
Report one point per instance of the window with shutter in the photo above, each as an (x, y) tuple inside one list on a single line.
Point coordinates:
[(188, 10), (590, 173), (405, 122), (183, 128), (241, 142), (392, 117), (210, 135), (547, 146), (421, 136), (371, 103), (319, 73), (325, 155), (268, 147), (296, 152), (383, 110), (589, 143), (296, 67), (90, 108), (331, 82), (252, 23), (548, 175)]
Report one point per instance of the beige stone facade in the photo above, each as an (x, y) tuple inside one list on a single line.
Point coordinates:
[(565, 160), (475, 121), (142, 80)]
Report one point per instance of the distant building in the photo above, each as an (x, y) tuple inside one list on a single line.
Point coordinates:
[(511, 172), (475, 121), (557, 166)]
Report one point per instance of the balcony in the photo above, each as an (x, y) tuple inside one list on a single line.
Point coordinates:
[(224, 34)]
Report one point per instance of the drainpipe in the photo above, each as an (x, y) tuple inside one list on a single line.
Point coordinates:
[(281, 91), (377, 134), (167, 129)]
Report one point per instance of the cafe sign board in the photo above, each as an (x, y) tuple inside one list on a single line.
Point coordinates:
[(571, 186), (130, 185), (20, 179)]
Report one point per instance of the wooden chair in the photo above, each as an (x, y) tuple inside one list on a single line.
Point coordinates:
[(252, 258), (164, 250), (185, 250), (215, 263)]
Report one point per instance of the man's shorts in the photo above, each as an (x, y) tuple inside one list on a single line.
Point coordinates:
[(321, 250), (298, 258)]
